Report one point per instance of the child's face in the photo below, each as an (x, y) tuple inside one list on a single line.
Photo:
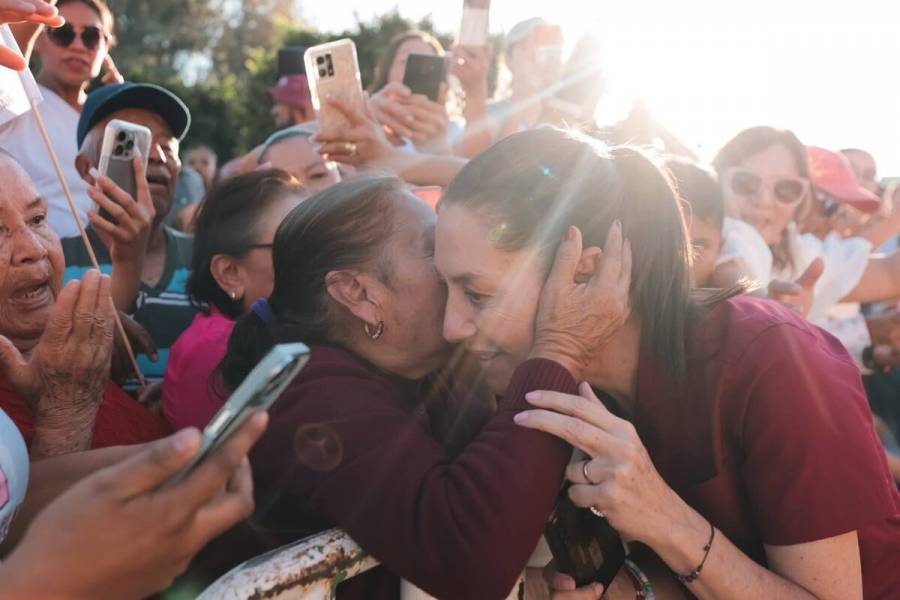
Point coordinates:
[(706, 240)]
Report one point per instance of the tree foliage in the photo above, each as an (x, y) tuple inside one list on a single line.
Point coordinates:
[(219, 56)]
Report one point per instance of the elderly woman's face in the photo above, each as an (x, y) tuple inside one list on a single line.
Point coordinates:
[(31, 258)]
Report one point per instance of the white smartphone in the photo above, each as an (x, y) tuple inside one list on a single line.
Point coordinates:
[(121, 140), (332, 70), (474, 28), (258, 391)]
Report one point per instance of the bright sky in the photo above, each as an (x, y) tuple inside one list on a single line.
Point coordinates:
[(828, 69)]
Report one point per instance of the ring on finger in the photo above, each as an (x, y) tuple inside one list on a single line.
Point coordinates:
[(597, 512), (351, 148), (584, 471)]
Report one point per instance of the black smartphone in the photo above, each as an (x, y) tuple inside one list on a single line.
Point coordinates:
[(424, 74), (584, 546)]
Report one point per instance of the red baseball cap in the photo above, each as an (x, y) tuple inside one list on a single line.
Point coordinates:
[(831, 172)]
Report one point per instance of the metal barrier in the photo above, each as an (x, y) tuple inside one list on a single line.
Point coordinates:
[(310, 569)]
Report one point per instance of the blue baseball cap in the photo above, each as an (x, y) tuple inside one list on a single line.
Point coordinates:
[(112, 98)]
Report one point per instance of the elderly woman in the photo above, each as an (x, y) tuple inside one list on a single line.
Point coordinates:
[(733, 438), (58, 392), (357, 442)]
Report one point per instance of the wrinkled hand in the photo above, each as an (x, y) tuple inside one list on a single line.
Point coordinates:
[(799, 294), (126, 230), (141, 342), (575, 320), (139, 533), (364, 144), (470, 65), (30, 11), (624, 484), (64, 375)]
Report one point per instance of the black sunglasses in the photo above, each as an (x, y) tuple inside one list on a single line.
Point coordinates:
[(65, 35)]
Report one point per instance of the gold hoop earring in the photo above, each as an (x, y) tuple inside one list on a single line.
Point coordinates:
[(375, 333)]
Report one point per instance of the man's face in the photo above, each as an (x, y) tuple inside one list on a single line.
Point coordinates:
[(164, 164), (75, 64)]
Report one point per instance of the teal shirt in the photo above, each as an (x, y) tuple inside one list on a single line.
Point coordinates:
[(164, 310)]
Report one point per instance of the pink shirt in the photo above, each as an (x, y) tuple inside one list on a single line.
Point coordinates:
[(189, 397)]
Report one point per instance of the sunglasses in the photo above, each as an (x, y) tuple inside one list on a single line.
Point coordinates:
[(787, 190), (65, 35)]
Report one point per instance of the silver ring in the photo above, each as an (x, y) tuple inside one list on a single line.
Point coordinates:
[(351, 148), (597, 512), (584, 471)]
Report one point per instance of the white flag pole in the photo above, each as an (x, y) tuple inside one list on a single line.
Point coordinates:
[(34, 96)]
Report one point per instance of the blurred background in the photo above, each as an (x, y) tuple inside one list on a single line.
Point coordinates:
[(704, 69)]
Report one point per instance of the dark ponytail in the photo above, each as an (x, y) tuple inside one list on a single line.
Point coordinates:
[(343, 227)]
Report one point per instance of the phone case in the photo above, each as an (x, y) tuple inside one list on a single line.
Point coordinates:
[(424, 74), (584, 546), (333, 71), (121, 140), (259, 390), (474, 28)]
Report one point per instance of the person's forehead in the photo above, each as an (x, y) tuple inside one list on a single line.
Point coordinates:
[(297, 151), (774, 160), (140, 116), (79, 14), (463, 248), (18, 189)]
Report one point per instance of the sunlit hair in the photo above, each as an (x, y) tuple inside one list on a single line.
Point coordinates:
[(698, 186), (344, 227), (753, 141), (530, 187), (227, 223), (383, 68)]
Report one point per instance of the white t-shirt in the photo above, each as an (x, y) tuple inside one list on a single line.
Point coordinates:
[(13, 472), (21, 138), (743, 245), (845, 260)]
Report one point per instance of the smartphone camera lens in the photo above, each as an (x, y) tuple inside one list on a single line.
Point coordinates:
[(330, 71), (130, 144), (119, 150), (320, 60), (322, 72), (121, 136)]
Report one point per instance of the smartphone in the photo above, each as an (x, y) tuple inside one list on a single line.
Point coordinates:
[(584, 546), (475, 25), (333, 71), (121, 140), (259, 391), (424, 74), (291, 61)]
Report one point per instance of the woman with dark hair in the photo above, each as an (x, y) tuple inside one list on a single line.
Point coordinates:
[(414, 120), (733, 438), (232, 267), (353, 439)]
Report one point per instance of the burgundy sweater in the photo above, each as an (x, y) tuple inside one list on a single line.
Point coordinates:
[(345, 448)]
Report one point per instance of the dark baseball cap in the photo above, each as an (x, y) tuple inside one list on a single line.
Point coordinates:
[(112, 98)]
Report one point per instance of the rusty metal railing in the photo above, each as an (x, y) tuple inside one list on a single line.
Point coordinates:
[(309, 569)]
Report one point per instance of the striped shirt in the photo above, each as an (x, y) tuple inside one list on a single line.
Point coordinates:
[(164, 310)]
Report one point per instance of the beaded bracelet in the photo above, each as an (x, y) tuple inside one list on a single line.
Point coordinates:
[(693, 575), (643, 589)]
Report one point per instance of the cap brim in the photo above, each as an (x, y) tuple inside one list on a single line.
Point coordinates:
[(152, 98), (858, 197)]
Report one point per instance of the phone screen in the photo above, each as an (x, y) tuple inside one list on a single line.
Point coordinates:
[(424, 74)]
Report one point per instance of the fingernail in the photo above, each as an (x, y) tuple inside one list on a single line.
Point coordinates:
[(570, 233), (93, 172), (531, 396), (520, 418), (184, 439), (618, 225)]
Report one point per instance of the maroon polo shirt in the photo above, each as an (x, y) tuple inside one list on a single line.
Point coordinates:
[(347, 447), (771, 438)]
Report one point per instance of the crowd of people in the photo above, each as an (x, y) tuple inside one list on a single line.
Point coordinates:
[(500, 298)]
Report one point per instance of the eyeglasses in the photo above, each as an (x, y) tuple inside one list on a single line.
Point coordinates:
[(65, 35), (786, 189)]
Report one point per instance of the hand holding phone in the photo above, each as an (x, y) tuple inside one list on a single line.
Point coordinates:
[(259, 391), (424, 74), (333, 72)]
